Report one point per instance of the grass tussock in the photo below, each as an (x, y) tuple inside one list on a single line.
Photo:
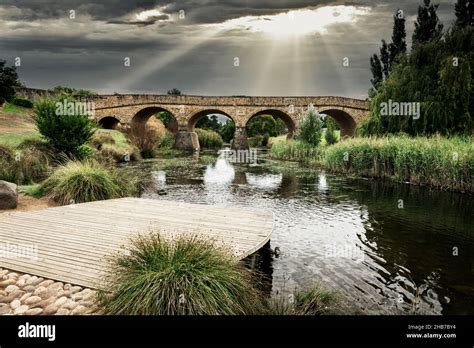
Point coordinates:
[(209, 139), (183, 276), (24, 165), (309, 301), (78, 182)]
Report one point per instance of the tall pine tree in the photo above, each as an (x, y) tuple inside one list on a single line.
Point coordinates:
[(427, 26), (464, 10), (380, 66), (399, 35), (377, 72)]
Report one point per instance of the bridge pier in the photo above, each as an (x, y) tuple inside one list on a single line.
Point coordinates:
[(240, 139), (186, 140)]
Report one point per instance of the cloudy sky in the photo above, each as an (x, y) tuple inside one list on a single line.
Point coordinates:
[(203, 47)]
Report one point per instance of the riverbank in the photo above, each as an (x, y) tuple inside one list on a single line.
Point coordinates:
[(442, 163)]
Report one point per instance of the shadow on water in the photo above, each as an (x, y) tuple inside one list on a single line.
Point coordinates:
[(384, 247)]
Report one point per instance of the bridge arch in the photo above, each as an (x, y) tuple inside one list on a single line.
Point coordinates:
[(141, 117), (109, 122), (286, 118), (202, 113), (345, 121)]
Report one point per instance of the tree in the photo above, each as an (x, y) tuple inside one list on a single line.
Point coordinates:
[(464, 10), (261, 125), (66, 133), (330, 134), (165, 117), (227, 131), (427, 26), (174, 91), (399, 44), (209, 122), (8, 81), (311, 129), (381, 66), (377, 71)]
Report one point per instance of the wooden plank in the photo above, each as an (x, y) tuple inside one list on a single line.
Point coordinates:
[(73, 241)]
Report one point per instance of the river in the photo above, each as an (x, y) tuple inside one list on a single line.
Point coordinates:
[(384, 248)]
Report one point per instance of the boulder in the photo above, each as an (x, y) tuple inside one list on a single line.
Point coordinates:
[(8, 195)]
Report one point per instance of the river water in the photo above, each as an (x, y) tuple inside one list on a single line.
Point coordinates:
[(384, 248)]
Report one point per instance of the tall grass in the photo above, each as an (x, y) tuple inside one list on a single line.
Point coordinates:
[(24, 165), (78, 182), (209, 139), (440, 162), (294, 150), (183, 276)]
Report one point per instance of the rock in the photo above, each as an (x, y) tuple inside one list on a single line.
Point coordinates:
[(25, 277), (51, 309), (8, 195), (55, 286), (60, 301), (44, 293), (46, 283), (34, 311), (25, 296), (32, 300), (75, 289), (70, 304), (15, 304), (10, 288), (3, 293), (34, 281), (62, 311), (45, 303), (15, 294), (79, 310), (5, 283), (67, 286), (21, 283), (3, 272), (29, 288), (4, 308), (12, 275), (21, 310)]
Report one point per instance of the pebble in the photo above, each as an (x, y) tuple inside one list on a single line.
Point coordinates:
[(15, 304), (34, 311), (32, 300), (25, 294), (21, 310), (10, 288), (4, 308)]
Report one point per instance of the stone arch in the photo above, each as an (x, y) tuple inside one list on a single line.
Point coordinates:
[(346, 122), (109, 122), (200, 114), (140, 118), (289, 121)]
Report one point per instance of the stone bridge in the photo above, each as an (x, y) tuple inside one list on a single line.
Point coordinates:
[(128, 111)]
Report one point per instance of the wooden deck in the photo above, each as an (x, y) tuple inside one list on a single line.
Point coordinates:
[(71, 241)]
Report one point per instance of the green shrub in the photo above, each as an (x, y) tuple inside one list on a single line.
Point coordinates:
[(439, 162), (35, 191), (310, 130), (80, 182), (167, 140), (22, 102), (209, 139), (330, 135), (294, 150), (183, 276), (65, 133)]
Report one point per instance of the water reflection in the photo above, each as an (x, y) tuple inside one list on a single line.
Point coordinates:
[(347, 234)]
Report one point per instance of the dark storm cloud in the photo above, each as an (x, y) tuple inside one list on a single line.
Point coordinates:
[(167, 52)]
